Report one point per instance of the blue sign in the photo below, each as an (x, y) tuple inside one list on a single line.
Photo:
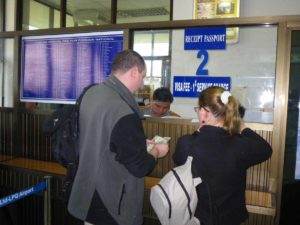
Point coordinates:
[(184, 86), (22, 194), (205, 38)]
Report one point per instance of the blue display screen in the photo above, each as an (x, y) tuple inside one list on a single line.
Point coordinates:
[(56, 68)]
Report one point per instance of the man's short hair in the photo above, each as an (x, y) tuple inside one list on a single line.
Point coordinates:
[(127, 59), (162, 94)]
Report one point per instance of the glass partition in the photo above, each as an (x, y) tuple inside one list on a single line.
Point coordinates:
[(88, 12), (249, 62), (43, 14), (40, 14), (154, 46)]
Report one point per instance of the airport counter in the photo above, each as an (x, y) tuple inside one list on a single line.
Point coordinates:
[(19, 172)]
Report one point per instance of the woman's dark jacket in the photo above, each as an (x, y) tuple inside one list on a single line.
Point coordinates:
[(221, 160)]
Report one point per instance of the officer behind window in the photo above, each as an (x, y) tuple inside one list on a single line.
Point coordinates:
[(160, 104)]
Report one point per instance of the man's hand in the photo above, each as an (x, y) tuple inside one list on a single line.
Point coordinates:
[(159, 150)]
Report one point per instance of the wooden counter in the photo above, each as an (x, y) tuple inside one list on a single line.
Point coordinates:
[(37, 165), (256, 201), (5, 157)]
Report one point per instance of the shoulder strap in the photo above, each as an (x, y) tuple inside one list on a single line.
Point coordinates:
[(78, 102), (168, 200), (79, 99), (184, 190)]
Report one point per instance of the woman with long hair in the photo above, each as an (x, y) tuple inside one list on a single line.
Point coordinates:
[(222, 149)]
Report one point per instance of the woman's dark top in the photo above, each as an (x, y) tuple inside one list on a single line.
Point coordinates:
[(221, 160)]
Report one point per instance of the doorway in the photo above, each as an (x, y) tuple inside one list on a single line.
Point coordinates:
[(290, 208)]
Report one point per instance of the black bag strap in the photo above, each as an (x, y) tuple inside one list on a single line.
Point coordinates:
[(168, 200), (184, 190), (79, 99), (78, 102)]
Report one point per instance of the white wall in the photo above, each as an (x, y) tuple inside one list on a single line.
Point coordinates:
[(183, 9), (253, 55), (251, 8)]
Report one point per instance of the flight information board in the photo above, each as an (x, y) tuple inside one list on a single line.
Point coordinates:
[(56, 68)]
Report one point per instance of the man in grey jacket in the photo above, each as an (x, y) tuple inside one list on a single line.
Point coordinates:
[(109, 184)]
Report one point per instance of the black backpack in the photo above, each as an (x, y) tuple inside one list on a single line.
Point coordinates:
[(63, 128)]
